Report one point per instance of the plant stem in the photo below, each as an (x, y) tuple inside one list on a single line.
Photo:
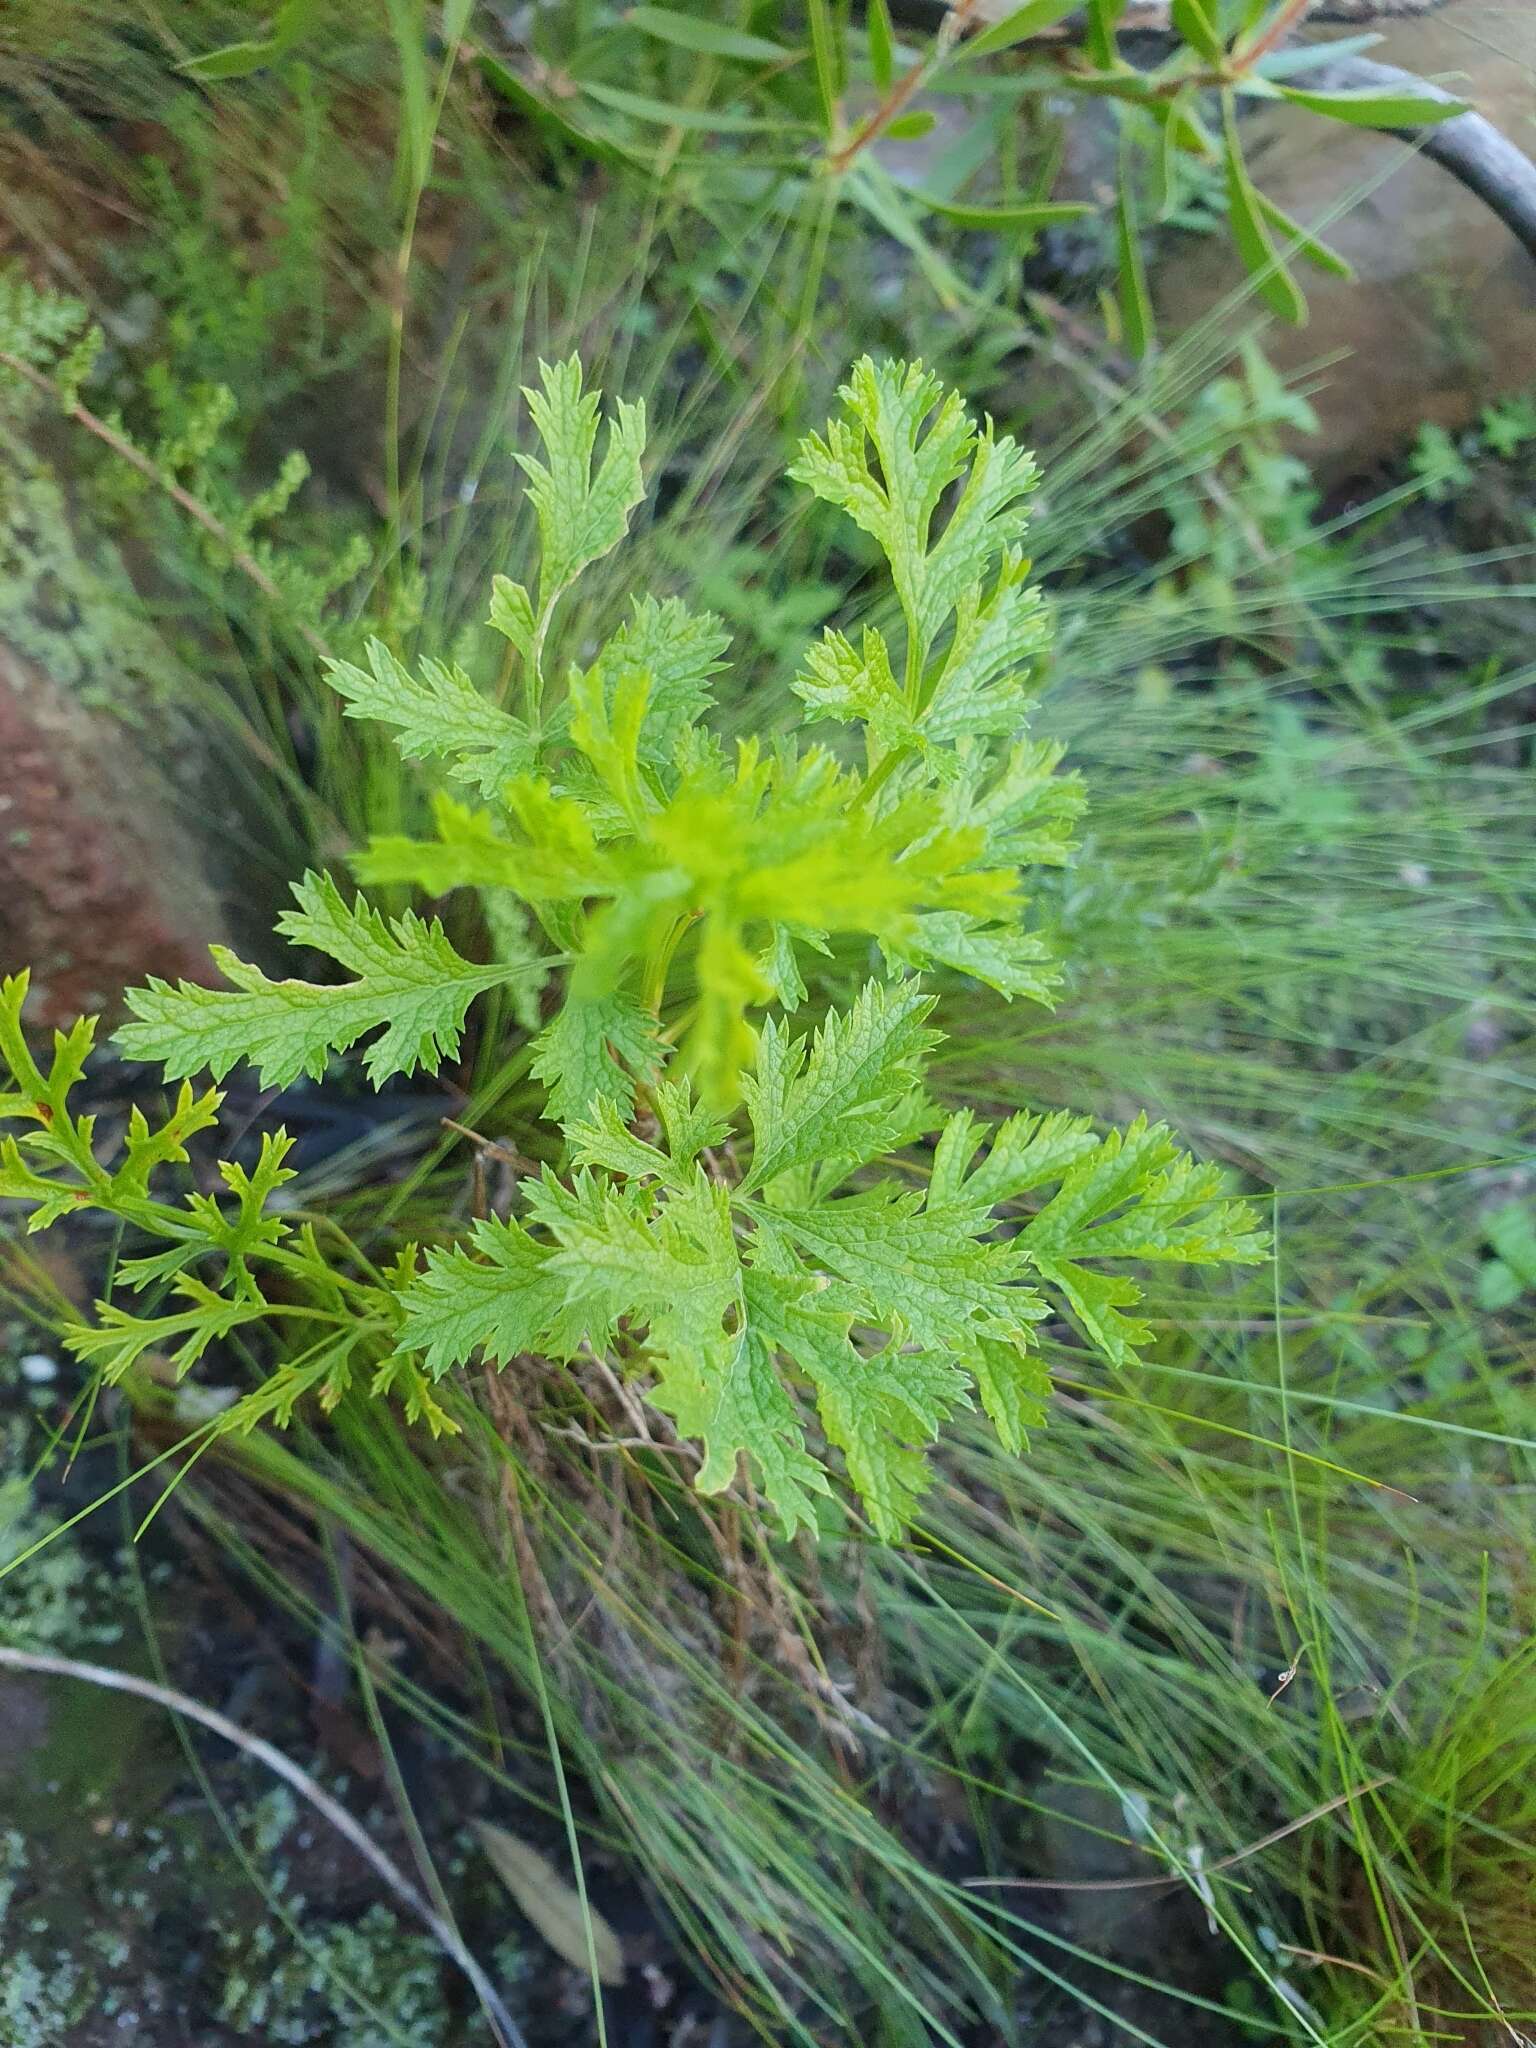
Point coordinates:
[(902, 89), (660, 962), (398, 299), (1285, 20)]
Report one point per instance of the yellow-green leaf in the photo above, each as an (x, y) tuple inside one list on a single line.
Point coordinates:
[(1250, 232), (1135, 299), (669, 114), (570, 1924), (1370, 108), (1027, 20), (1102, 17), (907, 127), (1194, 24), (1291, 230), (708, 38), (1025, 214), (882, 44), (825, 50)]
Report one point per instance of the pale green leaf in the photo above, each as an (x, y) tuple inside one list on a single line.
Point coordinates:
[(882, 44), (722, 1389), (1137, 317), (145, 1146), (1097, 1301), (827, 55), (879, 1410), (1025, 811), (603, 1138), (1369, 107), (1127, 1195), (1290, 230), (670, 1263), (1137, 1196), (680, 651), (512, 614), (1193, 21), (910, 127), (709, 38), (689, 1127), (929, 1270), (1103, 48), (1250, 231), (1008, 958), (1024, 216), (856, 685), (581, 516), (833, 1097), (502, 1298), (568, 1921), (1015, 1385), (781, 969), (232, 60), (645, 107), (1026, 1152), (410, 985), (923, 441), (593, 1050), (437, 715), (116, 1342), (1017, 25), (1000, 634)]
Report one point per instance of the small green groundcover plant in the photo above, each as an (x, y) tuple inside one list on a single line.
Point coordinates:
[(758, 1224)]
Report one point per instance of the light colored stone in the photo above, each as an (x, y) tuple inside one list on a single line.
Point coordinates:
[(1442, 315)]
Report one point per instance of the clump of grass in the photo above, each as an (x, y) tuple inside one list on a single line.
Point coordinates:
[(1448, 1875)]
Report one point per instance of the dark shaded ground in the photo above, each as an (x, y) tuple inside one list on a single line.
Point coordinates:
[(169, 1892), (158, 1887)]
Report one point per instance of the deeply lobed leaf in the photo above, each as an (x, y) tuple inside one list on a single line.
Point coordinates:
[(410, 986)]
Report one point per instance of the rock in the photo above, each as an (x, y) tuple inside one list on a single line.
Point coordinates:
[(101, 881), (99, 885), (1441, 317)]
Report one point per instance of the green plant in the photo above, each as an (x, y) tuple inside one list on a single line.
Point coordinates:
[(1439, 465), (771, 1742), (1509, 424), (734, 119), (1511, 1271), (50, 347), (676, 889)]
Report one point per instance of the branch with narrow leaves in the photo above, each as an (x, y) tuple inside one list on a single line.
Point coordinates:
[(1152, 17), (952, 27), (1476, 154)]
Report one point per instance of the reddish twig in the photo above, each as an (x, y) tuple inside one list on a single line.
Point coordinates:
[(903, 88), (1278, 30)]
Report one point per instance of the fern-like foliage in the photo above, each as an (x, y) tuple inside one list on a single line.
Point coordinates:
[(774, 1231)]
